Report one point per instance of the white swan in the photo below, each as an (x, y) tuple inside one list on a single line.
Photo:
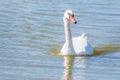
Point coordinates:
[(74, 46)]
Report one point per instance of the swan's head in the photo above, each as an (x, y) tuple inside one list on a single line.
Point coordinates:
[(69, 16)]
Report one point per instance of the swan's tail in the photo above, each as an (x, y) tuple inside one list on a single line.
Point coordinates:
[(84, 36)]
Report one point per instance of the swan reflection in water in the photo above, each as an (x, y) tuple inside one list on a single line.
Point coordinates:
[(69, 60), (68, 63)]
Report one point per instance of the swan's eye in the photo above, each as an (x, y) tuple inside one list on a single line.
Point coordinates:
[(71, 14)]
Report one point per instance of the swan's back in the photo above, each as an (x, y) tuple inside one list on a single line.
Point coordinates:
[(82, 45)]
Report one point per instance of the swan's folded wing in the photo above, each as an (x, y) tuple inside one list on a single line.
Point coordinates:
[(82, 45)]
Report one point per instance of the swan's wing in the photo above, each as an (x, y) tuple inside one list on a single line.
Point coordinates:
[(82, 45)]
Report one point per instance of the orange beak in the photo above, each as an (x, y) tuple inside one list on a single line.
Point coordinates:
[(73, 19)]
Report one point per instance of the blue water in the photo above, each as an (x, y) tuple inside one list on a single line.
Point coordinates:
[(32, 31)]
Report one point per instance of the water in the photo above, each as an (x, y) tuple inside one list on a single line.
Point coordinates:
[(32, 31)]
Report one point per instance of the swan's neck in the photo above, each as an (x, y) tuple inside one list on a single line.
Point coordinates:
[(68, 36)]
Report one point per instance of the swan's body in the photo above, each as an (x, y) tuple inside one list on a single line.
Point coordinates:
[(74, 46)]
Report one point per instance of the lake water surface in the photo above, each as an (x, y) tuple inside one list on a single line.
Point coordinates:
[(32, 33)]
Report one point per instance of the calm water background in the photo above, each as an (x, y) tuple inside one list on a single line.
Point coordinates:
[(32, 30)]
